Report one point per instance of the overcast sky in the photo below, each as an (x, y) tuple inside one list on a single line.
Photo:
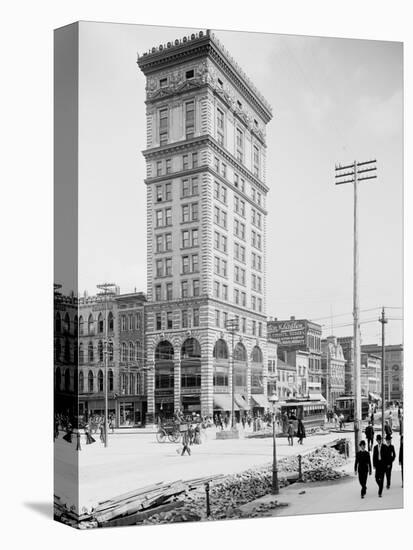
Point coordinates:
[(333, 101)]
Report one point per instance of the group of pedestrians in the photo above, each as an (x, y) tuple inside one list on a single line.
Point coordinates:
[(384, 455)]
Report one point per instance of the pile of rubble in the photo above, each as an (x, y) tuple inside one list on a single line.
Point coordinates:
[(228, 494)]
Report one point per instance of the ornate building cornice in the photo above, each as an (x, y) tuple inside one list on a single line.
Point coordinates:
[(204, 44)]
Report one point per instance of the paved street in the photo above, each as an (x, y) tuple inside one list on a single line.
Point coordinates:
[(134, 460)]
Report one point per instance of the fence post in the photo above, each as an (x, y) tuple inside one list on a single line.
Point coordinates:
[(208, 507), (300, 473)]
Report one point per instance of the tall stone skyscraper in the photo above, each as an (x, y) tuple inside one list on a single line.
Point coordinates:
[(206, 229)]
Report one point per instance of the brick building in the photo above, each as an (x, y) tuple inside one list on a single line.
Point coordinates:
[(206, 228), (294, 335)]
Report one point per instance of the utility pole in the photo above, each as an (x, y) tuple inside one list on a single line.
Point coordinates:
[(383, 321), (353, 173), (107, 290)]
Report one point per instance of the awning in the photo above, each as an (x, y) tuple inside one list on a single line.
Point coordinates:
[(222, 401), (260, 400), (241, 402), (317, 397)]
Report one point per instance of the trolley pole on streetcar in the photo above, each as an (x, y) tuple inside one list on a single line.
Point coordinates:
[(383, 321), (107, 291), (351, 174)]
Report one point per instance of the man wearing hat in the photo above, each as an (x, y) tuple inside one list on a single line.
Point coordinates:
[(362, 466), (380, 462), (391, 455)]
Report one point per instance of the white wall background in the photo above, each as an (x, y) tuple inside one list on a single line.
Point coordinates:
[(26, 228)]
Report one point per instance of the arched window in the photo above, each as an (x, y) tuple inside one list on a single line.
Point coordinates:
[(90, 322), (123, 325), (100, 323), (110, 322), (100, 351), (75, 325), (124, 352), (240, 353), (164, 366), (138, 321), (81, 325), (191, 364), (100, 381), (256, 355), (131, 351), (164, 350), (58, 350), (81, 354), (67, 350), (220, 350), (90, 382), (110, 379), (110, 350), (81, 382), (58, 323), (75, 354), (67, 323), (67, 380), (138, 351), (240, 367), (190, 348), (58, 379), (90, 352), (131, 322)]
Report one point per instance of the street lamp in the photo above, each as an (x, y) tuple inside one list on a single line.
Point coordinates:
[(232, 325), (275, 489)]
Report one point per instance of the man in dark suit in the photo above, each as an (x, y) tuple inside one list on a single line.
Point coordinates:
[(362, 465), (369, 431), (380, 462), (401, 455), (391, 455)]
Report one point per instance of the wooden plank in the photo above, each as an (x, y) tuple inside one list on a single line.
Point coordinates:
[(140, 516), (130, 494)]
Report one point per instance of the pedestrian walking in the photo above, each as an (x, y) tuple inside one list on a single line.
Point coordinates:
[(300, 432), (290, 433), (390, 420), (243, 421), (335, 420), (362, 466), (391, 455), (341, 419), (186, 442), (387, 429), (401, 456), (379, 462), (369, 431)]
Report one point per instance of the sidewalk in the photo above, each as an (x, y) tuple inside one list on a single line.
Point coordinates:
[(324, 497)]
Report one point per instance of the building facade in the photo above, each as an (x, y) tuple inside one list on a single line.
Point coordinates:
[(206, 228), (94, 315), (393, 369), (333, 370), (300, 335), (131, 397), (370, 376), (65, 353), (346, 343)]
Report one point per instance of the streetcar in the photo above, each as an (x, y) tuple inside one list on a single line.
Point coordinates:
[(311, 413), (345, 405)]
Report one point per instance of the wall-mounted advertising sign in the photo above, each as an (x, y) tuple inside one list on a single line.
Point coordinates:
[(288, 333)]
